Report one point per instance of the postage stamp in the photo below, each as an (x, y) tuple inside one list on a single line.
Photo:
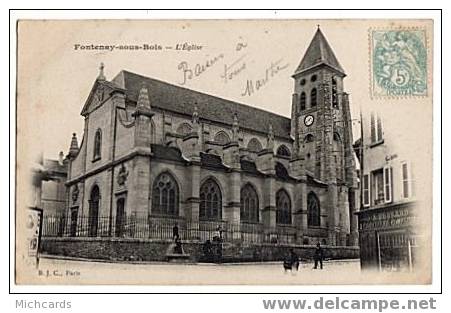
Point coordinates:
[(398, 62)]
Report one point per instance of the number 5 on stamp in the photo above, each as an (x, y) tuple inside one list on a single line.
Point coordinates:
[(398, 63)]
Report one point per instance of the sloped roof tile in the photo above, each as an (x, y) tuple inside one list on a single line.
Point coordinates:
[(166, 96)]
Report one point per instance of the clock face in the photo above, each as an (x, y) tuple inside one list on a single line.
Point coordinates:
[(308, 120)]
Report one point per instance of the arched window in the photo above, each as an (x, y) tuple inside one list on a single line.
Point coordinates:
[(222, 138), (184, 129), (334, 93), (249, 204), (313, 210), (97, 144), (303, 101), (309, 150), (94, 204), (254, 145), (309, 138), (313, 98), (165, 195), (283, 207), (283, 151), (210, 206)]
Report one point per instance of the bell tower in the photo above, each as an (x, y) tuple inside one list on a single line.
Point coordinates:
[(320, 111), (322, 130)]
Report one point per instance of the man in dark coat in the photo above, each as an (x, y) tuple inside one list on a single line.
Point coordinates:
[(291, 261), (208, 251), (178, 246), (175, 232), (294, 259), (319, 256)]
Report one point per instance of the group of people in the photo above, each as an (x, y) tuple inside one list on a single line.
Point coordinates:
[(176, 236), (292, 262), (212, 250)]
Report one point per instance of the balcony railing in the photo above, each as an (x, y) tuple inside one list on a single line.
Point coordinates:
[(162, 228)]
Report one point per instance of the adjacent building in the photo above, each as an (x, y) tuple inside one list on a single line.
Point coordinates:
[(54, 198), (388, 221), (49, 185)]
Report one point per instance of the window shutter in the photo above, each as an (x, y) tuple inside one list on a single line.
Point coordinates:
[(411, 180), (379, 128), (373, 128), (387, 184), (407, 180), (366, 190)]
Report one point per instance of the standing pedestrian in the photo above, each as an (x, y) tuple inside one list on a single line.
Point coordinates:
[(175, 232), (294, 259), (178, 246), (208, 252), (219, 232), (318, 256)]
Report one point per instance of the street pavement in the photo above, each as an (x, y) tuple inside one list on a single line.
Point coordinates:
[(61, 271)]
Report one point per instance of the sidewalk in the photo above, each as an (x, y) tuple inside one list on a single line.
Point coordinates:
[(67, 258), (59, 271)]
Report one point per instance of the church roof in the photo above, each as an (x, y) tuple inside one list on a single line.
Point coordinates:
[(174, 98), (55, 168), (319, 52)]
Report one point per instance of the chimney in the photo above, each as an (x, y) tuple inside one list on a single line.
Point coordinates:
[(61, 158)]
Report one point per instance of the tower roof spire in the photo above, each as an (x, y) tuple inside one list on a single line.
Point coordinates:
[(143, 106), (73, 149), (319, 52), (143, 98)]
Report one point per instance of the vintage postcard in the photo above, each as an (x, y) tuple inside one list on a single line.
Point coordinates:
[(219, 152)]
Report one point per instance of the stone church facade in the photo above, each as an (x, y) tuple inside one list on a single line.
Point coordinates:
[(154, 151)]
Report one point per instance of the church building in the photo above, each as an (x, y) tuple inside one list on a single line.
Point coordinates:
[(154, 155)]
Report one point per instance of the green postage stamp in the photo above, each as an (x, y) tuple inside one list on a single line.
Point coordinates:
[(398, 62)]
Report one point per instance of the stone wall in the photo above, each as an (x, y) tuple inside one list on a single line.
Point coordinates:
[(155, 250)]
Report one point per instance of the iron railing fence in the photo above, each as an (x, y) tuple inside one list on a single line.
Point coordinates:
[(151, 227)]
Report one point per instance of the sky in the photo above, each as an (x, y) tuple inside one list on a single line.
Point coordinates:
[(56, 68)]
